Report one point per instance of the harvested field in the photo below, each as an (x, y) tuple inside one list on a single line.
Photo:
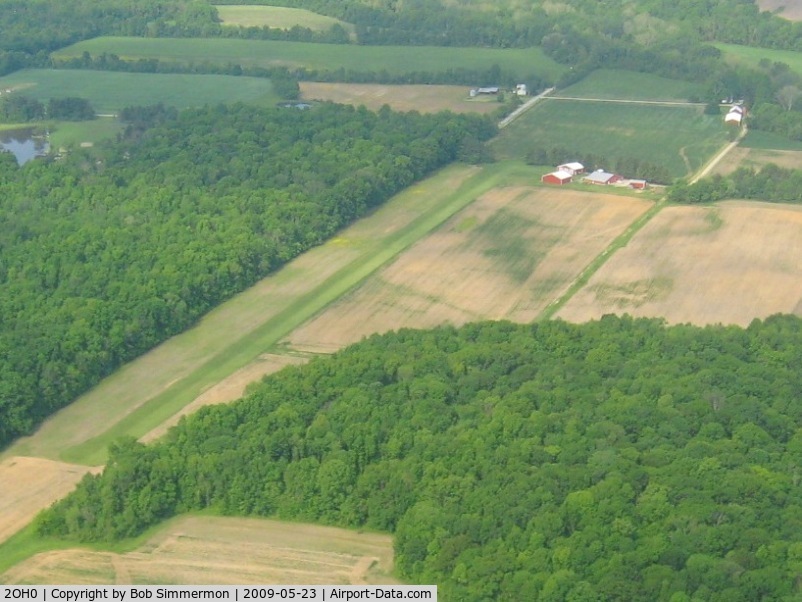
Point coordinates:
[(425, 99), (729, 264), (506, 256), (229, 389), (29, 485), (225, 551), (788, 9), (757, 158)]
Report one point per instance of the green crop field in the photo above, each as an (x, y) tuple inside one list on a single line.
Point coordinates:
[(614, 83), (769, 141), (680, 138), (750, 56), (396, 60), (111, 91), (279, 17)]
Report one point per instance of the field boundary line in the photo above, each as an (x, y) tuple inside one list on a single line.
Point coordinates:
[(585, 275), (670, 103), (523, 108)]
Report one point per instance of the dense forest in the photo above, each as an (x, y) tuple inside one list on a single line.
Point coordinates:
[(104, 256), (618, 460)]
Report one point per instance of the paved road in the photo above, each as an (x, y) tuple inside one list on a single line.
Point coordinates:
[(524, 107)]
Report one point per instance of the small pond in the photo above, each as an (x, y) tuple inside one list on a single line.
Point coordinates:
[(24, 143)]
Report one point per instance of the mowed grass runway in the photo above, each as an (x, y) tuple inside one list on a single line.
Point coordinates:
[(631, 85), (681, 138), (395, 60), (110, 91)]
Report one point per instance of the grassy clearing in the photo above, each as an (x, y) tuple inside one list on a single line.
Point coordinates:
[(396, 60), (150, 390), (277, 17), (618, 84), (768, 141), (680, 138), (73, 133), (751, 56), (111, 91)]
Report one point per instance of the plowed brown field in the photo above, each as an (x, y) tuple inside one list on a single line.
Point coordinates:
[(506, 256), (725, 264), (225, 551)]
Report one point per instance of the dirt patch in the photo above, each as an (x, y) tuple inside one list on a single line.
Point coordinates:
[(506, 256), (229, 389), (757, 158), (424, 99), (231, 551), (788, 9), (726, 264), (29, 485)]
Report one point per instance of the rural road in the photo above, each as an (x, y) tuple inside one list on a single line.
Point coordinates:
[(717, 159), (524, 107)]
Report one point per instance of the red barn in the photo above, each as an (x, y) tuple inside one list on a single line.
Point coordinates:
[(557, 177)]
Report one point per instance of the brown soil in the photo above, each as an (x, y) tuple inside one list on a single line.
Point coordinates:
[(212, 550), (757, 158), (506, 256), (424, 99), (727, 264), (29, 485)]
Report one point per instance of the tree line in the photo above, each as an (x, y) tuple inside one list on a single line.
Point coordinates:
[(18, 108), (104, 256), (769, 183), (618, 460)]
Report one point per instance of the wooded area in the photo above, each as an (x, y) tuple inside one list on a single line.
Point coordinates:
[(104, 256), (616, 460)]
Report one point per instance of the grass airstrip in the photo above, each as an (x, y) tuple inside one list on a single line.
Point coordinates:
[(395, 60), (751, 56)]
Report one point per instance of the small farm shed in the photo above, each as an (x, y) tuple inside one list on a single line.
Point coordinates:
[(557, 177), (638, 184), (572, 168), (602, 178), (735, 115), (521, 90)]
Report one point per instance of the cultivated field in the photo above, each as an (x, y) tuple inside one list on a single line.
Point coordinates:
[(506, 256), (618, 84), (751, 56), (225, 551), (110, 91), (29, 485), (680, 138), (425, 99), (788, 9), (395, 60), (277, 17), (757, 158), (728, 263)]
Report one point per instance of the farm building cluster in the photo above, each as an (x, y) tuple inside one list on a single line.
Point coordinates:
[(567, 172), (520, 90)]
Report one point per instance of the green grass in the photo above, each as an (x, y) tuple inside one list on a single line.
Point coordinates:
[(768, 141), (277, 17), (654, 133), (751, 56), (617, 84), (261, 338), (396, 60), (72, 133), (111, 91)]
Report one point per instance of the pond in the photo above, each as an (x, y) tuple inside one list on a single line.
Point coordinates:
[(24, 143)]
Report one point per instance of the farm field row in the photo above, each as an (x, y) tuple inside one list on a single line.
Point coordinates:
[(632, 85), (276, 17), (679, 138), (110, 91), (424, 99), (395, 60), (506, 256), (222, 551), (729, 263)]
